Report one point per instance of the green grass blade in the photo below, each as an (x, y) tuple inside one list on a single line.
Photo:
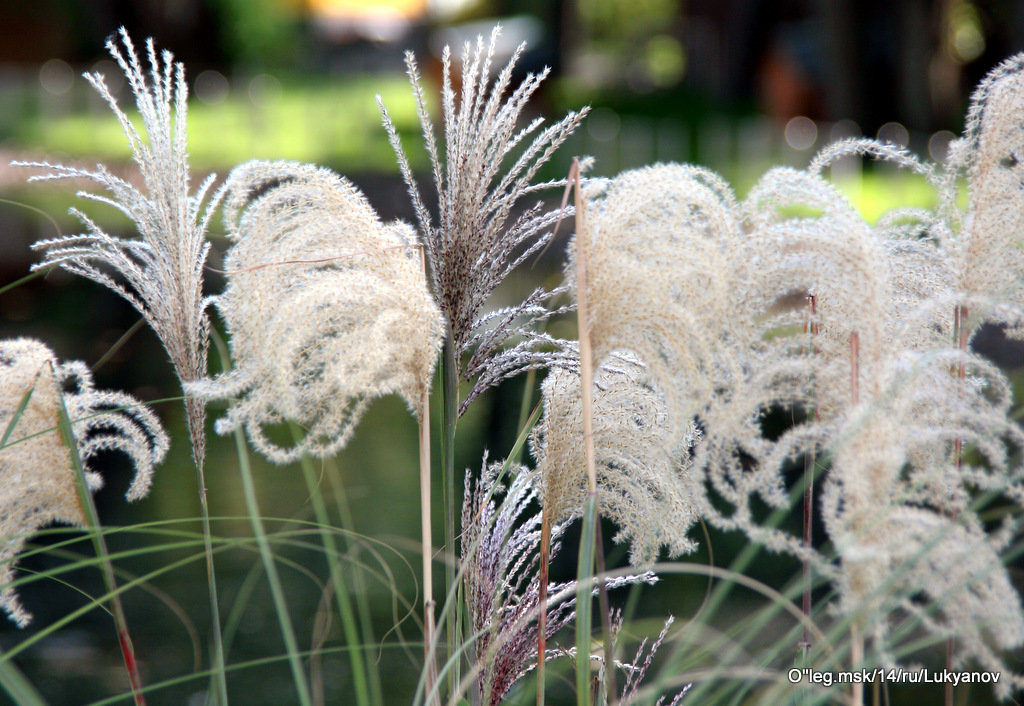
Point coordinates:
[(276, 590), (92, 516), (584, 595), (359, 584), (16, 417), (341, 594), (17, 686)]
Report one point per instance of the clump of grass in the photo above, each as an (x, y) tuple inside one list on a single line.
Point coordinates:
[(693, 329)]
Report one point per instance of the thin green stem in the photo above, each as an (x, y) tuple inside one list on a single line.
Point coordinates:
[(195, 413), (606, 618), (584, 594), (219, 675), (19, 688), (100, 545), (341, 593), (358, 580), (276, 590), (449, 418)]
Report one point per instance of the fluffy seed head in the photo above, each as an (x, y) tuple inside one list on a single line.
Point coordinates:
[(990, 247), (37, 484), (327, 308), (484, 229), (658, 241), (644, 486)]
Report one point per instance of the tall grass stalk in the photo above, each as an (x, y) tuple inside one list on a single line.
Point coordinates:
[(449, 418), (542, 600), (960, 333), (810, 328), (856, 635), (100, 545), (344, 600), (429, 629), (277, 591), (591, 551), (196, 426), (17, 686)]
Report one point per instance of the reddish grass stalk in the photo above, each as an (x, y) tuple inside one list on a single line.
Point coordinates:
[(960, 335), (811, 327), (856, 638), (542, 600)]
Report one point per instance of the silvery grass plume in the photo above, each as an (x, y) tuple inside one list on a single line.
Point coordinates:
[(480, 236), (641, 664), (804, 240), (645, 486), (984, 245), (661, 250), (658, 271), (37, 483), (988, 247), (500, 546), (327, 308), (500, 552), (635, 670), (161, 275), (890, 408)]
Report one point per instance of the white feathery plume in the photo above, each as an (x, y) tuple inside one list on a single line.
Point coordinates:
[(658, 271), (646, 488), (889, 407), (37, 483), (161, 274), (327, 308), (988, 248), (482, 233)]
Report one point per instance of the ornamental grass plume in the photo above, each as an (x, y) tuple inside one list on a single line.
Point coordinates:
[(481, 233), (988, 247), (161, 275), (983, 246), (500, 554), (37, 483), (327, 308), (903, 516), (659, 242), (645, 487), (898, 502)]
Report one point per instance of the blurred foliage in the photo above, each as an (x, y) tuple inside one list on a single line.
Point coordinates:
[(617, 20), (332, 122), (260, 32)]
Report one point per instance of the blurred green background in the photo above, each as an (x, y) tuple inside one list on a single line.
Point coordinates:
[(737, 86)]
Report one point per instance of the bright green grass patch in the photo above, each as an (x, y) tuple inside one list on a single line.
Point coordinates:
[(874, 193), (335, 122)]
